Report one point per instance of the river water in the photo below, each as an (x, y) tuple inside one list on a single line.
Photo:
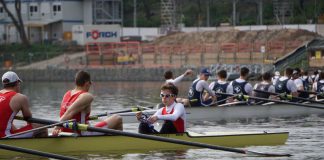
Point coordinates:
[(305, 139)]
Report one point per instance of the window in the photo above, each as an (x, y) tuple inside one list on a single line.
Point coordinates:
[(57, 8), (33, 9)]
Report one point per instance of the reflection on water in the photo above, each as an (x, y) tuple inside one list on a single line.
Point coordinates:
[(305, 140)]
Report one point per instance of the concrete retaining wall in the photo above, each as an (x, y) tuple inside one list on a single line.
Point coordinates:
[(127, 73), (106, 74)]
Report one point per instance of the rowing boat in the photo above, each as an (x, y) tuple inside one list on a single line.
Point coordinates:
[(113, 144), (238, 112)]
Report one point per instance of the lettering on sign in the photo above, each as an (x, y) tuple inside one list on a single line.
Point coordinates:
[(95, 34)]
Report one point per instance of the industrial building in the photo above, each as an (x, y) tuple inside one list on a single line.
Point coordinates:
[(51, 20)]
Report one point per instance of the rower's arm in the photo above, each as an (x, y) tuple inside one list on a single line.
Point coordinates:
[(20, 102), (81, 104)]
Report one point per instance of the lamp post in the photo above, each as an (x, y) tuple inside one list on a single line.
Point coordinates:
[(135, 17)]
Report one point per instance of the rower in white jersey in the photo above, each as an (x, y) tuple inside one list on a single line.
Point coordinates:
[(240, 85), (168, 75), (265, 85), (300, 83), (220, 86), (173, 114), (285, 85), (319, 87)]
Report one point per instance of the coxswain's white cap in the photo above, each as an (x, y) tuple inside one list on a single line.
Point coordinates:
[(10, 77)]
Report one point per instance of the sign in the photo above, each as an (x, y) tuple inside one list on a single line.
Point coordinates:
[(262, 49), (83, 34), (318, 54)]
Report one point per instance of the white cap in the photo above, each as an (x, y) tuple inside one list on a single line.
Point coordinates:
[(319, 71), (10, 77), (277, 73)]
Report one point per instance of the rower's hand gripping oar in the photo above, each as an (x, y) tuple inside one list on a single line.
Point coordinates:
[(289, 97), (277, 101), (83, 127)]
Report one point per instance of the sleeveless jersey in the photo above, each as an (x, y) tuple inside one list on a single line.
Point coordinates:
[(68, 99), (220, 88), (238, 88), (6, 113), (281, 86), (305, 84), (262, 87), (178, 124), (194, 95), (320, 89)]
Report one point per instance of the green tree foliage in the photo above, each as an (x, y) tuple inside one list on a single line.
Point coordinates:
[(194, 12)]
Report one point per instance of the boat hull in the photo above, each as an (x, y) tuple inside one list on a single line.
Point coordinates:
[(229, 113), (115, 144)]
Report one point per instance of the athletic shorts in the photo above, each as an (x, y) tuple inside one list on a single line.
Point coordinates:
[(23, 129), (102, 124)]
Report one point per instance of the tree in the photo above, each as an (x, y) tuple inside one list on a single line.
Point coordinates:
[(17, 21)]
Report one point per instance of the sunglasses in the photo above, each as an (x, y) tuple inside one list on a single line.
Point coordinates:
[(166, 95)]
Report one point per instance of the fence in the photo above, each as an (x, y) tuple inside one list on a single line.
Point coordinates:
[(150, 55)]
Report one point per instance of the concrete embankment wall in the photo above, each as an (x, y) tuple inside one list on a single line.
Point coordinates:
[(105, 74)]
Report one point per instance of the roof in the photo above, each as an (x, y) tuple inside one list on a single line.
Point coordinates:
[(39, 23), (316, 44)]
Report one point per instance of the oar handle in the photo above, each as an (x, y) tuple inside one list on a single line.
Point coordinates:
[(134, 109)]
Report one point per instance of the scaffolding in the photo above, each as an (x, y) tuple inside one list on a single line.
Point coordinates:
[(168, 16), (282, 10), (107, 11)]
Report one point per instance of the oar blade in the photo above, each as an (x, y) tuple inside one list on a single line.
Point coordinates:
[(252, 153)]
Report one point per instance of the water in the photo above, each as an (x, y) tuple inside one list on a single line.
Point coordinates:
[(305, 140)]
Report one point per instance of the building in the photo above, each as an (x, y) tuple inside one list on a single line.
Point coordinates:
[(51, 20), (309, 55)]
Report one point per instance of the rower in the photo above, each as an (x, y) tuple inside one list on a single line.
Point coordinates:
[(197, 90), (168, 75), (173, 113), (240, 85), (275, 77), (300, 83), (265, 85), (319, 86), (220, 86), (12, 102), (308, 80), (76, 104), (285, 85)]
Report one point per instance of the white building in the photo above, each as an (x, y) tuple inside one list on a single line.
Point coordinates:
[(48, 20)]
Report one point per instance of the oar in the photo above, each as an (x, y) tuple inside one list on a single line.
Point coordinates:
[(134, 109), (298, 98), (84, 127), (311, 92), (39, 128), (35, 152), (277, 101)]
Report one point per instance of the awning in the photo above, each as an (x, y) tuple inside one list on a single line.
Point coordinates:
[(40, 23)]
